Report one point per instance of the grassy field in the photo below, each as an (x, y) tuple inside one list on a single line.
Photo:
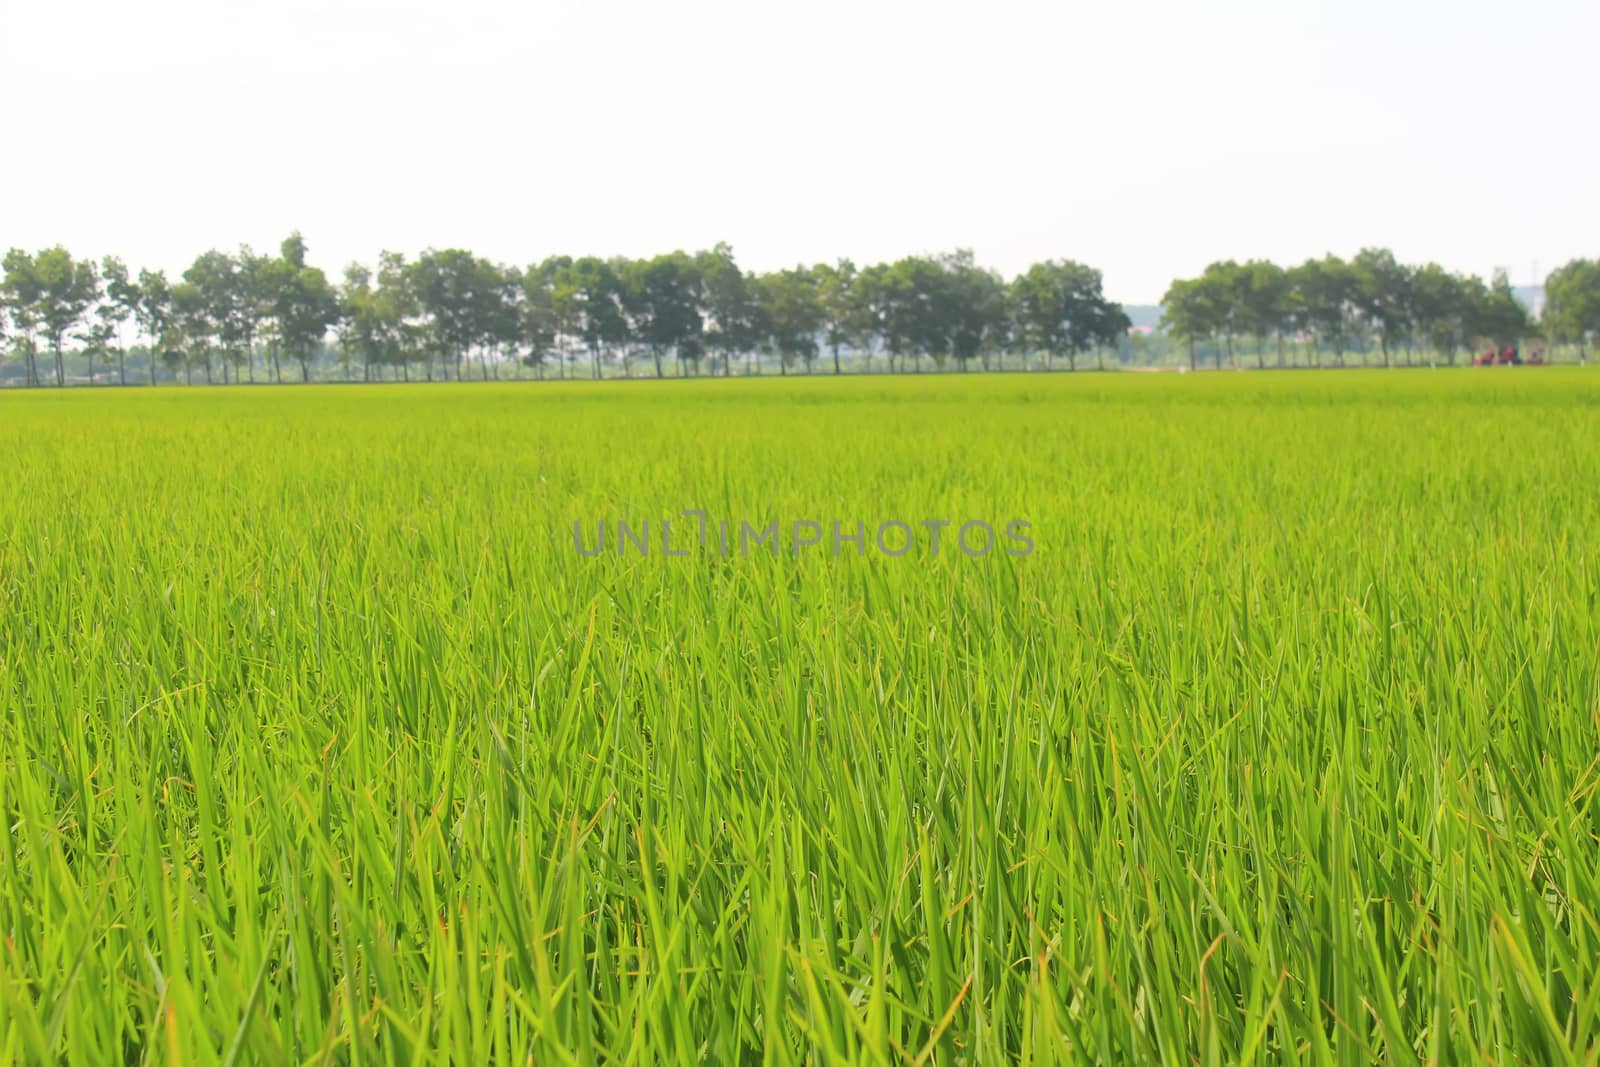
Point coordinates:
[(321, 743)]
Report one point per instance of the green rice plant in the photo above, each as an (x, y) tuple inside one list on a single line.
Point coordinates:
[(321, 743)]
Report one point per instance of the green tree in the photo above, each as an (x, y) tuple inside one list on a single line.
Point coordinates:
[(1327, 293), (1572, 304), (54, 290), (1383, 296), (1227, 288), (1263, 291), (876, 298), (97, 333), (499, 315), (905, 304), (554, 274), (305, 305), (21, 292), (1438, 309), (1058, 308), (451, 289), (154, 313), (847, 321), (364, 327), (216, 279), (790, 314), (538, 325), (975, 310), (902, 301), (293, 250), (406, 340), (1109, 329), (97, 338), (729, 305), (120, 303), (190, 332), (254, 293), (588, 294), (662, 297), (1497, 316), (1190, 313), (924, 308)]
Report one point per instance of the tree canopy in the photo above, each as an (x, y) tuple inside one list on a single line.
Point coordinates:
[(1371, 306), (448, 313)]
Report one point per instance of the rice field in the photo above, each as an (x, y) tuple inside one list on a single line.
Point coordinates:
[(323, 743)]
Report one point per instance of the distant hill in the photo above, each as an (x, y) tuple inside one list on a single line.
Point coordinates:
[(1144, 314), (1149, 315)]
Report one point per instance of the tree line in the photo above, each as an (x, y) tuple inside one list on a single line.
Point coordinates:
[(447, 314), (247, 316), (1328, 308)]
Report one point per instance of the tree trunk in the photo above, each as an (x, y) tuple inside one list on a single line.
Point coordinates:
[(836, 359), (61, 367)]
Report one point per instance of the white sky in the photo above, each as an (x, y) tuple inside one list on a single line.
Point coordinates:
[(1145, 137)]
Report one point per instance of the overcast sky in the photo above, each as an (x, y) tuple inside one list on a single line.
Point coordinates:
[(1144, 137)]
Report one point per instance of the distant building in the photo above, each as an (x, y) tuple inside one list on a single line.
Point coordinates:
[(1532, 297)]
